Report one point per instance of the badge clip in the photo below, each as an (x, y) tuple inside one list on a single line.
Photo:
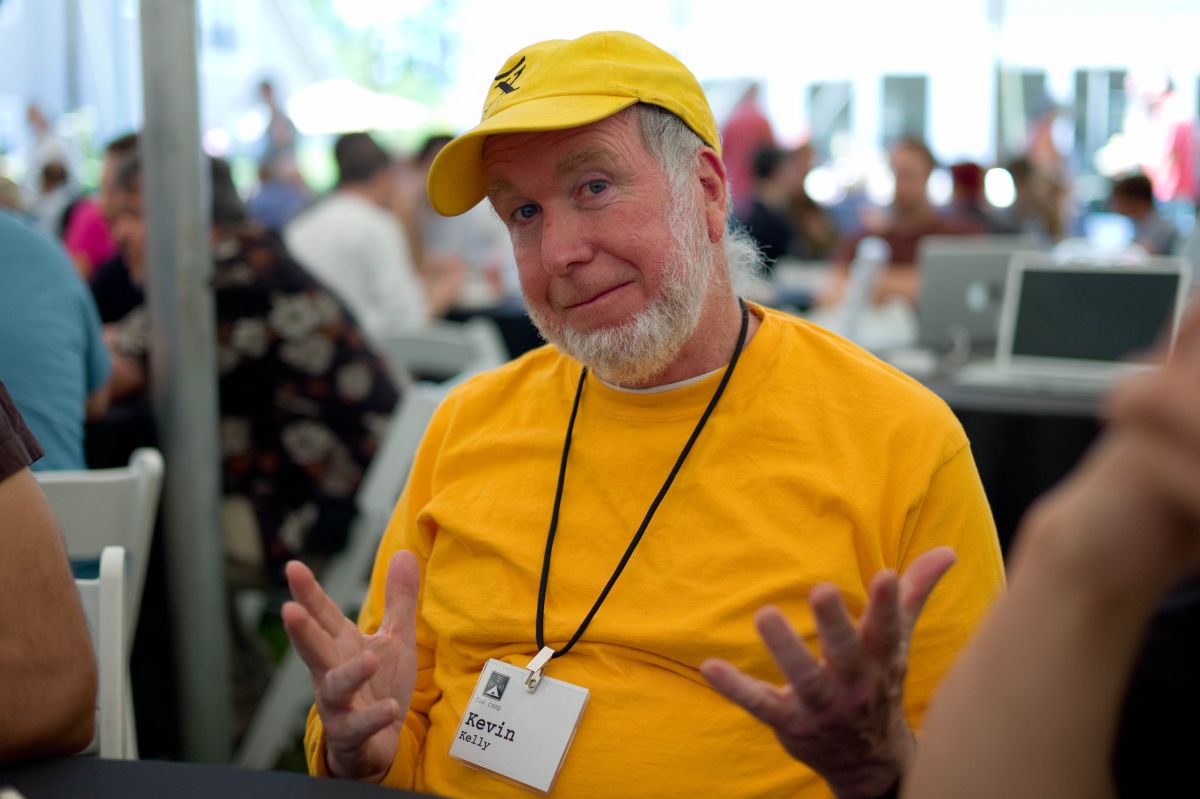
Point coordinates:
[(536, 667)]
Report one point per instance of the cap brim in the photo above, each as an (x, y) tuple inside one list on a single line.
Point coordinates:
[(456, 182)]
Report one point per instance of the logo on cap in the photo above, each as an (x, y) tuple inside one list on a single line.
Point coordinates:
[(506, 81)]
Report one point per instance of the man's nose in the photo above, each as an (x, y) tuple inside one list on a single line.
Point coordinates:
[(565, 242)]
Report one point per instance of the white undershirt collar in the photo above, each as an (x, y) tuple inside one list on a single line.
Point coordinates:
[(660, 389)]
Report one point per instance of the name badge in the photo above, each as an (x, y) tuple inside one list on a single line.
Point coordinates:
[(519, 724)]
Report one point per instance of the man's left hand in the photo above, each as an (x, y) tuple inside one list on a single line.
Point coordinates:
[(843, 716)]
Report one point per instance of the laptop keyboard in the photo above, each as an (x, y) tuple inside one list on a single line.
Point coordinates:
[(988, 376)]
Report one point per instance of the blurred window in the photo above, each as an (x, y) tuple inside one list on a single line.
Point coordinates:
[(905, 107), (1022, 100), (830, 106), (1099, 110)]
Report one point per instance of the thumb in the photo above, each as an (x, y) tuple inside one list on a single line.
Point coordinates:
[(400, 591), (918, 581)]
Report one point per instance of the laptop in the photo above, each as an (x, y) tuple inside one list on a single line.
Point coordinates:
[(962, 290), (1077, 327)]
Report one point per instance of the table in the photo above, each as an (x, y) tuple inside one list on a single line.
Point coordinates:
[(56, 777)]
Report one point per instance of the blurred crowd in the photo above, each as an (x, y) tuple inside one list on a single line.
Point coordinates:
[(1151, 200), (310, 287)]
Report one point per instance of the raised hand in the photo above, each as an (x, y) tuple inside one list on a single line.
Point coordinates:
[(362, 683), (843, 716)]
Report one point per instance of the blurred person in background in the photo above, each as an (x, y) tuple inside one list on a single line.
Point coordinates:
[(910, 218), (53, 198), (815, 233), (52, 353), (303, 398), (1133, 197), (784, 219), (280, 196), (47, 667), (47, 147), (279, 138), (968, 205), (1048, 128), (1037, 207), (115, 290), (1163, 130), (85, 228), (354, 243), (768, 221), (746, 131), (475, 244)]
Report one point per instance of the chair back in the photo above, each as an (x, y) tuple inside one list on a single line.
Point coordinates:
[(446, 350), (104, 605), (97, 508), (346, 576), (389, 467), (280, 713)]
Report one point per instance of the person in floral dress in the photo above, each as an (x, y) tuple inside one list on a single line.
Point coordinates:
[(303, 398)]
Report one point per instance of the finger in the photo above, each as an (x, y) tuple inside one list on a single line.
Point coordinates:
[(882, 625), (1187, 340), (400, 592), (918, 582), (349, 732), (840, 643), (1172, 472), (308, 592), (791, 654), (1163, 403), (763, 701), (340, 685), (313, 644)]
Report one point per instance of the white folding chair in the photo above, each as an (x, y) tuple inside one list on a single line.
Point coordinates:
[(280, 713), (104, 605), (100, 508), (446, 350), (97, 508)]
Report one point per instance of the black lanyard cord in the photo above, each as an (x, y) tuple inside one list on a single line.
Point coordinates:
[(562, 476)]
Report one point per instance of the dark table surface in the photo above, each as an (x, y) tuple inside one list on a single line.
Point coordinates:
[(62, 777)]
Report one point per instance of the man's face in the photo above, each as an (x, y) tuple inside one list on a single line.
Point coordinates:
[(613, 266), (911, 171), (129, 230)]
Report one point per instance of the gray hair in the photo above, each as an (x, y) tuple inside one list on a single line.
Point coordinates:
[(674, 145)]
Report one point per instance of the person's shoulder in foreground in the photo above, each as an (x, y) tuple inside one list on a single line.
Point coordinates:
[(47, 669)]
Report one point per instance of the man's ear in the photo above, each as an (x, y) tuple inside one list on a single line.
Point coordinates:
[(715, 201)]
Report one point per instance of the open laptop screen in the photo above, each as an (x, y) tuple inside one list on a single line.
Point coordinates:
[(1106, 314)]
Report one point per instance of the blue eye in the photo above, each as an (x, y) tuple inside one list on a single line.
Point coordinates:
[(526, 211), (597, 186)]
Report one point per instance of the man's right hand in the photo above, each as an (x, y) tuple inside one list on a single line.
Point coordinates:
[(362, 683)]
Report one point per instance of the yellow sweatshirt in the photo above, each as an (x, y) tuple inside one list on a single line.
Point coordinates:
[(819, 464)]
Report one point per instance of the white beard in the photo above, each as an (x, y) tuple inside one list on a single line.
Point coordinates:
[(634, 351)]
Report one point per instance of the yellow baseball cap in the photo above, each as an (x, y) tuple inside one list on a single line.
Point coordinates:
[(561, 84)]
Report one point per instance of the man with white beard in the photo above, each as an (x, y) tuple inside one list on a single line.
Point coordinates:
[(587, 528)]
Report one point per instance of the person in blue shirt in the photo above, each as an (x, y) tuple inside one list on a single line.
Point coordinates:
[(52, 353)]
